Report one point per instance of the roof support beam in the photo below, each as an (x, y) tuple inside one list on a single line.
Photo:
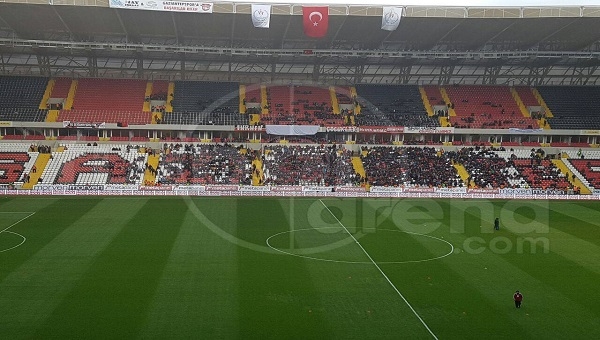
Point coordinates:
[(92, 64), (122, 24), (44, 65), (62, 21), (490, 74), (537, 44), (447, 34), (287, 27), (6, 23), (177, 38), (337, 31)]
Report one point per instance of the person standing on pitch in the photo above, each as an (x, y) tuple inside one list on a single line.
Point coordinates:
[(518, 297), (497, 224)]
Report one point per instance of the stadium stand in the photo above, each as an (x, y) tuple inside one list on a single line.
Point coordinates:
[(573, 107), (108, 100), (61, 88), (16, 161), (531, 169), (301, 105), (308, 165), (391, 105), (393, 166), (205, 103), (95, 164), (491, 107), (20, 98), (203, 164)]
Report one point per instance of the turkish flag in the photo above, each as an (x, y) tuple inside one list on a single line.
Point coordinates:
[(316, 21)]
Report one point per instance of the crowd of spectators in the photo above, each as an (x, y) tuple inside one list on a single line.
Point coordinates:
[(204, 164), (486, 168), (309, 165), (410, 166)]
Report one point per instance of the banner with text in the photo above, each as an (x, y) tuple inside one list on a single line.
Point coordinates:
[(167, 6)]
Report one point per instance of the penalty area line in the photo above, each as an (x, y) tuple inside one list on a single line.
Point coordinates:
[(19, 221), (382, 273)]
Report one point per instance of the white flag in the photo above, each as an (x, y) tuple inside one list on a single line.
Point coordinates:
[(261, 15), (391, 18)]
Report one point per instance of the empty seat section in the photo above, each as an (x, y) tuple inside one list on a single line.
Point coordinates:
[(205, 103), (100, 164), (490, 107), (108, 100), (159, 89), (20, 98), (573, 107), (527, 96), (61, 88), (399, 105)]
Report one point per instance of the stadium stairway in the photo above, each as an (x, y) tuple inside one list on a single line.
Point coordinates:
[(256, 177), (426, 102), (242, 98), (147, 94), (40, 165), (542, 103), (444, 122), (47, 93), (357, 164), (446, 98), (584, 190), (334, 101), (52, 116), (519, 102), (71, 95), (149, 177), (254, 119), (156, 115), (170, 91), (462, 172), (264, 100), (355, 95)]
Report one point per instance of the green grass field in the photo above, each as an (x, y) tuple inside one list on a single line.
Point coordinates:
[(202, 268)]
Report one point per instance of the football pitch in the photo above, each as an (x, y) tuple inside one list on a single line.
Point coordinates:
[(256, 268)]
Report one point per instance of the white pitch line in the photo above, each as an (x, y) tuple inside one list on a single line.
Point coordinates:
[(14, 224), (19, 221), (382, 273)]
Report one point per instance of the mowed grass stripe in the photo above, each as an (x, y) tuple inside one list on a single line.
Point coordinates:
[(111, 298), (197, 295), (551, 305), (59, 249), (39, 230), (277, 294), (440, 295), (360, 302), (577, 219)]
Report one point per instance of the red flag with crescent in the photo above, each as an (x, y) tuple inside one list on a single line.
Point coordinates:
[(316, 21)]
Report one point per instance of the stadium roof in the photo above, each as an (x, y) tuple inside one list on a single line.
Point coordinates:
[(61, 38), (358, 27)]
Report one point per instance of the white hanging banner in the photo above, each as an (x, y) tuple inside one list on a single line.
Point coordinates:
[(391, 18), (161, 5), (261, 15)]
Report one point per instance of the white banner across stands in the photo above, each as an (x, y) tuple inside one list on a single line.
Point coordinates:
[(172, 191)]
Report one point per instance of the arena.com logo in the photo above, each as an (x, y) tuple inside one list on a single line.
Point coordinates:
[(462, 226)]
